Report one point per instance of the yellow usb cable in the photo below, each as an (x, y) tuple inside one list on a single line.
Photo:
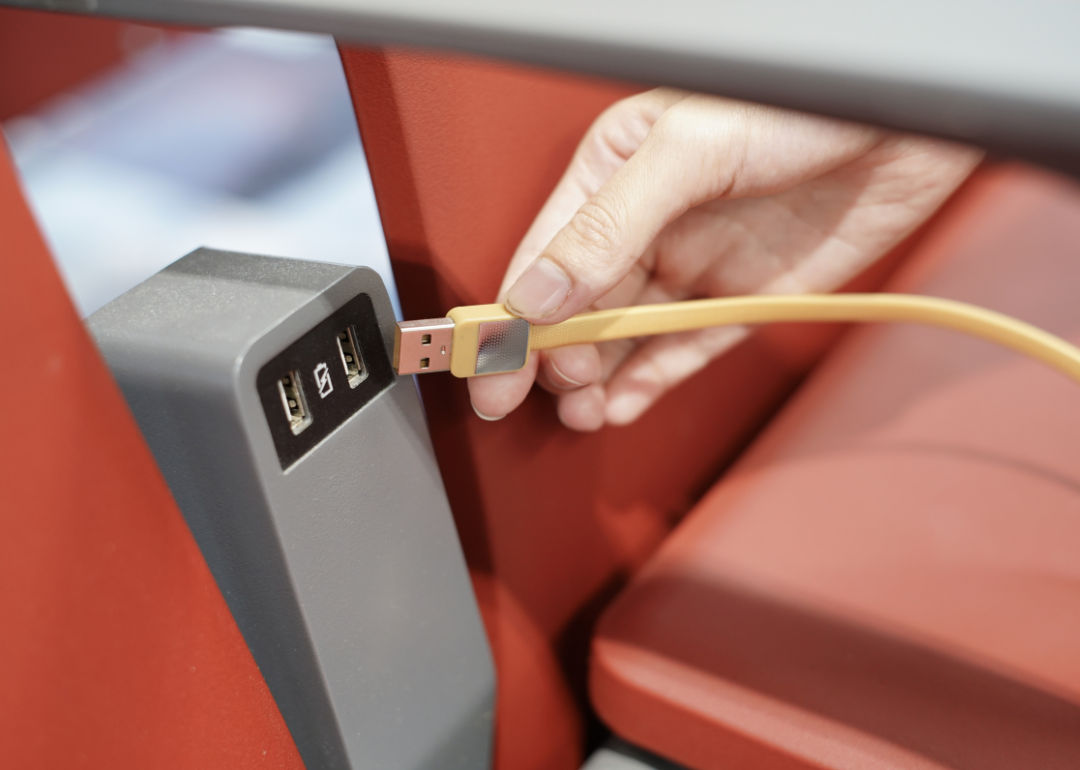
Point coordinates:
[(487, 339)]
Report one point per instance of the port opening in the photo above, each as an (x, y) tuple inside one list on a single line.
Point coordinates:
[(292, 401), (351, 358)]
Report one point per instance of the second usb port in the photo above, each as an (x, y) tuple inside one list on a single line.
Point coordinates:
[(355, 371)]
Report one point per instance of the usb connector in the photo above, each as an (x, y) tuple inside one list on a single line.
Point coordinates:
[(472, 340), (423, 346)]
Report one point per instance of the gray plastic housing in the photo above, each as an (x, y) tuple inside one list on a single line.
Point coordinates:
[(343, 571)]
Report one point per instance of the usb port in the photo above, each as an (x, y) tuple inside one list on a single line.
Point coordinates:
[(292, 401), (355, 371)]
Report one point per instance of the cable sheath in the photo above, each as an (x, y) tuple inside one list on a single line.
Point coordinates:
[(647, 320)]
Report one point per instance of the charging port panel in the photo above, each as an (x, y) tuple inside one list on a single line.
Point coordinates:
[(322, 378)]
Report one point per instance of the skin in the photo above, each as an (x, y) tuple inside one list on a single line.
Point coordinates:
[(674, 196)]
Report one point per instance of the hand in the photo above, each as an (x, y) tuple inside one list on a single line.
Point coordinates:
[(674, 196)]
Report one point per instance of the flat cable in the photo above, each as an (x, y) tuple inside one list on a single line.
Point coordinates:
[(488, 339)]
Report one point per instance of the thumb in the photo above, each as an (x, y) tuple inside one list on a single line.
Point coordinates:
[(607, 235)]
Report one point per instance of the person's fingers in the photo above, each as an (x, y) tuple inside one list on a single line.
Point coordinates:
[(700, 149), (659, 365), (613, 353), (582, 409), (494, 396), (603, 359), (609, 142), (602, 241), (606, 146), (569, 368)]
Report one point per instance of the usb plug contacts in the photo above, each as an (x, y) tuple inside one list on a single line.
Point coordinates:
[(423, 346)]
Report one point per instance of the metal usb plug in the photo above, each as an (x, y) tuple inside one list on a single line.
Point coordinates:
[(423, 346)]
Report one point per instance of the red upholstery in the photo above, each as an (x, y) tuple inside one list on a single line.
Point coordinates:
[(890, 577), (462, 154), (117, 648), (43, 54)]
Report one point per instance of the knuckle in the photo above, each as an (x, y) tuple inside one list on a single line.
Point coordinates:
[(626, 124), (681, 125), (657, 375), (596, 228), (628, 105), (612, 116), (615, 130), (668, 129)]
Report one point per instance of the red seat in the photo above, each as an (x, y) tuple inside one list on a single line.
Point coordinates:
[(889, 577)]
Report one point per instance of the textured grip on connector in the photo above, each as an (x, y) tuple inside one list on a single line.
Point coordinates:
[(503, 346)]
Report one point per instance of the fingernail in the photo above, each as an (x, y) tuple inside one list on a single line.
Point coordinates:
[(626, 407), (540, 291), (487, 417), (568, 382)]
